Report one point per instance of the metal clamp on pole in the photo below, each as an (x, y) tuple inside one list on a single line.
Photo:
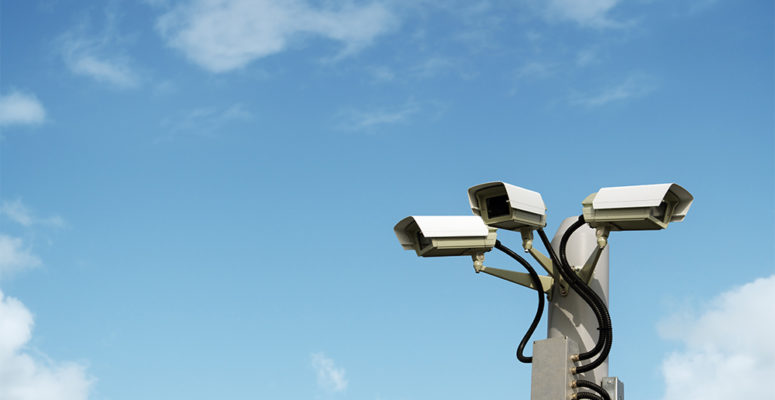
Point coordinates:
[(585, 272), (546, 262)]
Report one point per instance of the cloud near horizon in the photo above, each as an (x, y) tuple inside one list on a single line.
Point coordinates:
[(728, 351), (329, 376), (24, 377), (223, 35), (29, 375), (18, 212)]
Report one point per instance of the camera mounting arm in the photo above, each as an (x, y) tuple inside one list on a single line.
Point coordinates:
[(520, 278), (546, 262), (585, 272)]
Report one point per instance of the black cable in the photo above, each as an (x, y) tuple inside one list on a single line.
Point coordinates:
[(587, 395), (606, 331), (597, 388), (548, 245), (580, 289), (539, 287)]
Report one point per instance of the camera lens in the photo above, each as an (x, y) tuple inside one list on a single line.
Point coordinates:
[(498, 206)]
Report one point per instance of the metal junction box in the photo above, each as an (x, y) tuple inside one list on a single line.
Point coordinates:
[(551, 378)]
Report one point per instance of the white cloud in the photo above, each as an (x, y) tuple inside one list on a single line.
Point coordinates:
[(632, 87), (19, 213), (728, 349), (329, 376), (587, 13), (17, 108), (223, 35), (24, 377), (14, 256)]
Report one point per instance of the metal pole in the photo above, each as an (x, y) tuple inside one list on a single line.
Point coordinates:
[(569, 315)]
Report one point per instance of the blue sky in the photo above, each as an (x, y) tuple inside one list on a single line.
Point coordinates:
[(197, 198)]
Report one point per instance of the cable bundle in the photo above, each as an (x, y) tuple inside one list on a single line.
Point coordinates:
[(598, 306)]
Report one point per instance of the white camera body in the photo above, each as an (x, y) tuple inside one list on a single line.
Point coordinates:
[(506, 206), (643, 207), (437, 236)]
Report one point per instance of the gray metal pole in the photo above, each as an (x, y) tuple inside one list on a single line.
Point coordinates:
[(569, 315)]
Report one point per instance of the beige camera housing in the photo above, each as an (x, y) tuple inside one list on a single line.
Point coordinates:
[(439, 236), (506, 206), (643, 207)]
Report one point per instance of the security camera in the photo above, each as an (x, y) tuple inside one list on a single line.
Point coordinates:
[(435, 236), (507, 206), (643, 207)]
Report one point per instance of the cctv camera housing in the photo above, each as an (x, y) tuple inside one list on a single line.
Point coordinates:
[(507, 206), (643, 207), (437, 236)]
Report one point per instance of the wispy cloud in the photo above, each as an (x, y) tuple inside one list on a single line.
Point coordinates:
[(481, 24), (204, 121), (18, 212), (24, 376), (436, 66), (587, 57), (223, 35), (113, 71), (15, 256), (536, 70), (19, 108), (586, 13), (728, 351), (634, 86), (98, 55), (697, 6), (382, 73), (431, 67), (364, 119), (330, 377)]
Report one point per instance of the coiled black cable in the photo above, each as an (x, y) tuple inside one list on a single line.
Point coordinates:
[(606, 331), (587, 395), (539, 287), (584, 294), (597, 305), (597, 388)]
